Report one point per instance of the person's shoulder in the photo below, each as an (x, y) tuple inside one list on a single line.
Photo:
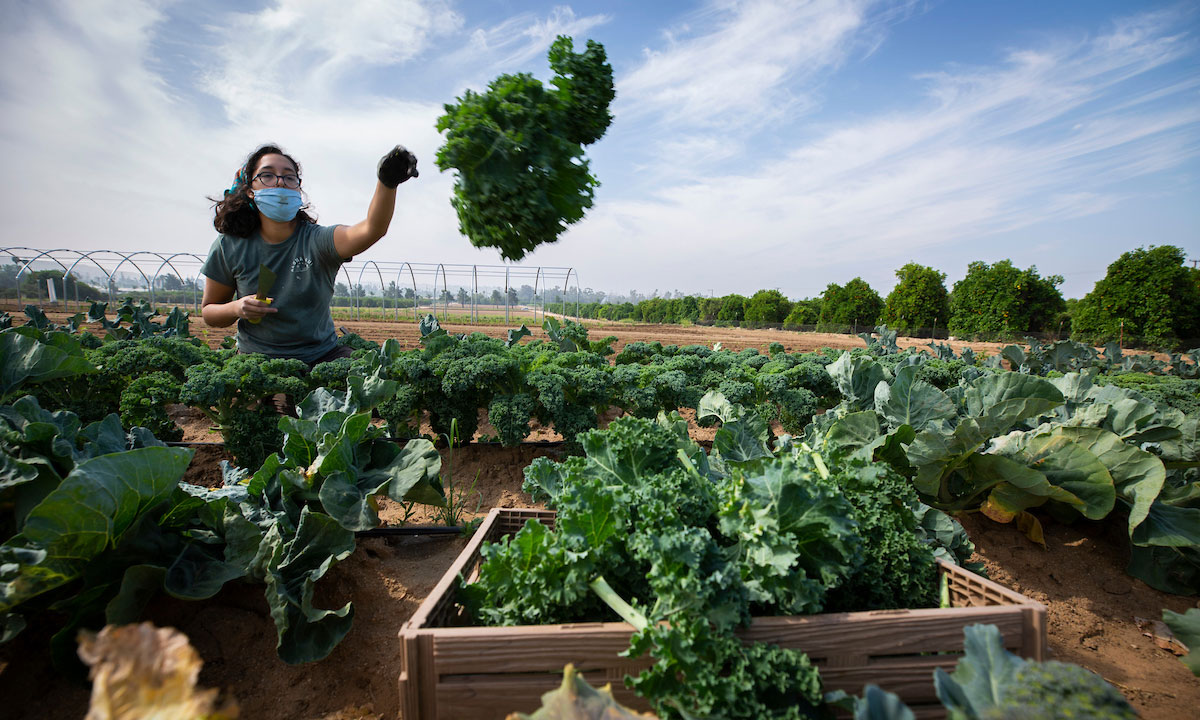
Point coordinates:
[(315, 229), (321, 235)]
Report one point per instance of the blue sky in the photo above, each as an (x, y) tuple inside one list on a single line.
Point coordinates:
[(755, 144)]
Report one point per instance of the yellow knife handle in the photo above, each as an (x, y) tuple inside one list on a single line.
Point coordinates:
[(258, 320)]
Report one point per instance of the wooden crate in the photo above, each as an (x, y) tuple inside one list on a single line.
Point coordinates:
[(451, 673)]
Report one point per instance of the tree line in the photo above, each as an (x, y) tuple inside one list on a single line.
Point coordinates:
[(1147, 298)]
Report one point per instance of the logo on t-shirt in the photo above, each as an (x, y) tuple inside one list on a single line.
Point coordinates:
[(301, 265)]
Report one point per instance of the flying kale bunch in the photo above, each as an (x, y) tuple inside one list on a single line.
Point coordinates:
[(518, 150)]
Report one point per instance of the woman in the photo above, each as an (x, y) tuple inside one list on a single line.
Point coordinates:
[(263, 223)]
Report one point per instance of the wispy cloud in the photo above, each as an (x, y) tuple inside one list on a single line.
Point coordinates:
[(298, 52), (716, 173), (1051, 133), (511, 44)]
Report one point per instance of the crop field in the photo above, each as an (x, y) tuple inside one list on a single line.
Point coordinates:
[(701, 476)]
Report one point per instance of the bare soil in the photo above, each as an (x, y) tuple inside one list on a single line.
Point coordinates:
[(1094, 607), (409, 335)]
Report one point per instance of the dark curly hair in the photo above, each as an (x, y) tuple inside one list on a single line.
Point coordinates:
[(235, 215)]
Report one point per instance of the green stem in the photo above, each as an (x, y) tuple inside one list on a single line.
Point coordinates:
[(610, 597)]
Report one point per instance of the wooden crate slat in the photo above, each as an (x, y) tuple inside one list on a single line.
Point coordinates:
[(521, 649), (483, 697), (911, 678), (885, 633), (461, 672)]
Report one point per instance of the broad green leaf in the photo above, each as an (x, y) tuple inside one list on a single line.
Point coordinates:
[(14, 472), (300, 441), (307, 633), (714, 403), (628, 449), (1186, 627), (351, 501), (600, 522), (856, 378), (139, 585), (891, 448), (1168, 526), (1184, 448), (976, 685), (338, 452), (104, 436), (936, 455), (1002, 400), (89, 512), (514, 336), (853, 431), (544, 480), (366, 393), (1137, 475), (412, 471), (1028, 488), (909, 401), (743, 440), (321, 401), (1175, 570), (1070, 466), (27, 359)]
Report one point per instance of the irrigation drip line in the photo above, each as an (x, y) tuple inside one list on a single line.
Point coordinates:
[(488, 443), (411, 530)]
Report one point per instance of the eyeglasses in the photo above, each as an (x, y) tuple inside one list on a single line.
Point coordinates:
[(270, 179)]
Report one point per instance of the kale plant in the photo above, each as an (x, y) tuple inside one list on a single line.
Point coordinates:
[(517, 149)]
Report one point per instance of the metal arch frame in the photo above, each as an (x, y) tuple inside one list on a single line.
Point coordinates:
[(167, 261), (111, 263), (412, 276), (129, 259), (566, 289), (506, 286), (10, 251), (349, 286), (536, 277), (35, 258), (445, 291), (474, 293), (107, 275), (379, 273)]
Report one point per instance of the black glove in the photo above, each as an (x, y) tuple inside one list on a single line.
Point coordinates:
[(397, 166)]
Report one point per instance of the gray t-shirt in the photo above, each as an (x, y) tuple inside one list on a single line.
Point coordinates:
[(305, 267)]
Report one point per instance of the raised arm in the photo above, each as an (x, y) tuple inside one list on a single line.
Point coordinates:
[(394, 168)]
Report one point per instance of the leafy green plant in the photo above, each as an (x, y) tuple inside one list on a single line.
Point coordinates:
[(767, 307), (451, 514), (517, 149), (234, 392), (992, 683), (1186, 627), (999, 300), (855, 303), (1148, 297), (919, 300), (686, 545)]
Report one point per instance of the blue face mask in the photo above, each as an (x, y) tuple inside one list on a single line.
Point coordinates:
[(279, 204)]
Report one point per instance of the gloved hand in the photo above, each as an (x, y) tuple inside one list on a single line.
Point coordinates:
[(397, 166)]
